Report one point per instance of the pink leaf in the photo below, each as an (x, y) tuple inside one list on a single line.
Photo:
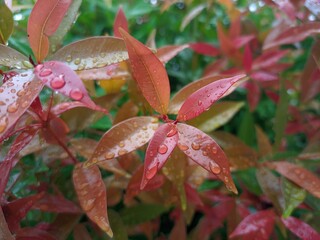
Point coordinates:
[(204, 49), (242, 40), (44, 21), (166, 53), (159, 149), (59, 77), (300, 228), (203, 98), (17, 94), (206, 152), (120, 21), (263, 76), (253, 94), (269, 59), (247, 58), (258, 225), (65, 106)]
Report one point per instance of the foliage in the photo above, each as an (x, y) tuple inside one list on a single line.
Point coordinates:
[(107, 136)]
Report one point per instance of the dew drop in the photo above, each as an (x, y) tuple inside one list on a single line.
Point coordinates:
[(199, 103), (121, 144), (2, 103), (122, 152), (214, 150), (69, 58), (172, 132), (183, 147), (199, 136), (151, 172), (45, 73), (25, 104), (109, 155), (38, 68), (58, 82), (27, 64), (226, 180), (13, 107), (76, 94), (162, 149), (204, 153), (215, 169), (77, 61), (3, 123), (195, 146), (13, 91)]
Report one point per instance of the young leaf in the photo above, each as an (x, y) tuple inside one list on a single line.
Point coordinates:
[(203, 98), (300, 228), (59, 77), (6, 23), (92, 195), (44, 20), (65, 25), (13, 59), (299, 175), (159, 149), (120, 22), (247, 58), (123, 138), (93, 52), (17, 94), (34, 234), (217, 116), (253, 94), (206, 152), (149, 73), (204, 49), (268, 59), (256, 226), (191, 15), (166, 53)]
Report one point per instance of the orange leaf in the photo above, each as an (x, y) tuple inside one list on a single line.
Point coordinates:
[(149, 73), (44, 21), (120, 21), (92, 195)]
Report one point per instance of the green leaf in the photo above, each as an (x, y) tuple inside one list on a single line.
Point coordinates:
[(141, 213), (246, 131), (281, 116), (293, 195), (116, 223), (6, 23)]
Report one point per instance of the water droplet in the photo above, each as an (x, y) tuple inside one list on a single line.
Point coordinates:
[(195, 146), (121, 144), (77, 61), (58, 82), (76, 94), (199, 136), (214, 150), (2, 103), (215, 169), (13, 107), (199, 103), (109, 155), (151, 172), (122, 152), (45, 72), (226, 180), (204, 153), (27, 64), (3, 123), (103, 54), (13, 91), (69, 58), (38, 68), (183, 147), (172, 132), (162, 149)]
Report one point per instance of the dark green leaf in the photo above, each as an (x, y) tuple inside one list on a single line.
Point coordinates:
[(6, 23)]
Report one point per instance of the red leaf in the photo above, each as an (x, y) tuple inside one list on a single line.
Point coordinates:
[(33, 234), (123, 138), (57, 204), (92, 195), (253, 94), (203, 98), (166, 53), (206, 152), (120, 22), (247, 58), (159, 149), (17, 94), (300, 228), (149, 73), (258, 225), (65, 106), (268, 59), (192, 195), (15, 211), (44, 21), (59, 77), (287, 7), (4, 229), (294, 34), (299, 176), (179, 230), (204, 49), (263, 76), (242, 40)]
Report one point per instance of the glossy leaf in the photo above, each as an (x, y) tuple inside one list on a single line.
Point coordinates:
[(66, 106), (253, 94), (13, 59), (203, 98), (206, 152), (299, 175), (294, 34), (293, 196), (17, 94), (215, 117), (93, 52), (149, 73), (204, 49), (159, 149), (6, 23), (256, 226), (123, 138), (268, 59), (59, 77), (44, 21), (4, 229), (191, 15), (263, 76), (92, 195), (65, 25), (166, 53), (300, 228), (179, 98), (120, 22), (270, 185)]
